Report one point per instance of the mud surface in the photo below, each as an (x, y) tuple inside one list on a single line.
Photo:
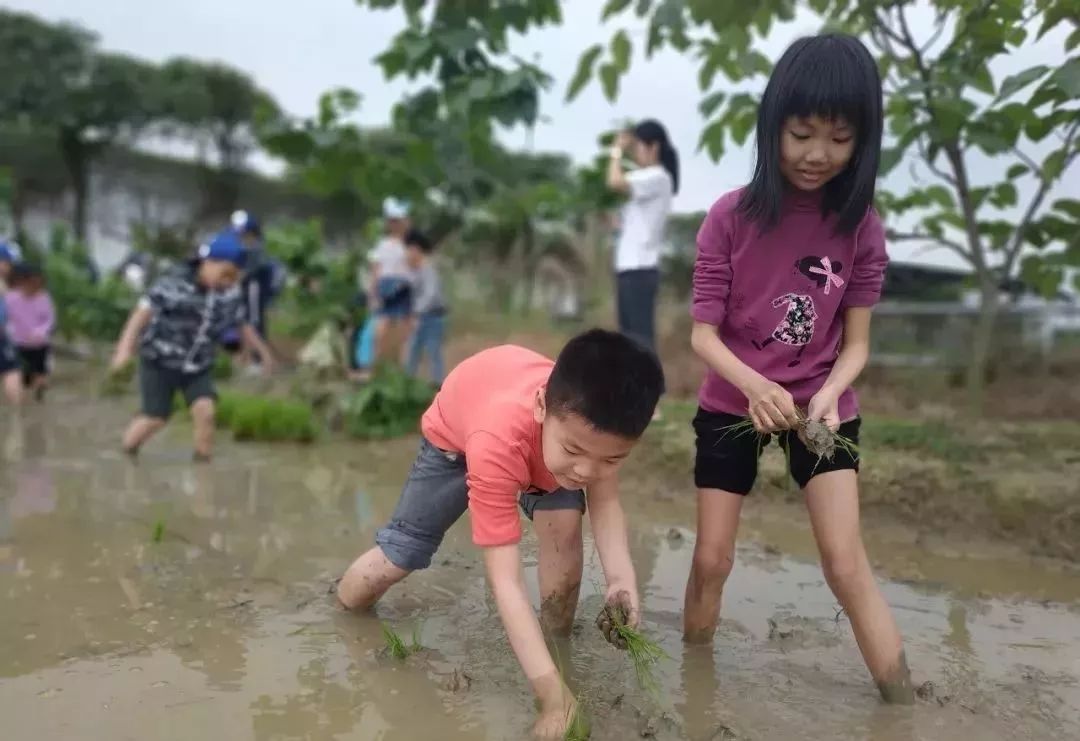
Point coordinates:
[(223, 627)]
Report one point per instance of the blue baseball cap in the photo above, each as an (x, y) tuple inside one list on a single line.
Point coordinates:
[(9, 251), (225, 246), (244, 223)]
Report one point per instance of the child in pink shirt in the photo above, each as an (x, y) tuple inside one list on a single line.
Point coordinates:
[(787, 271), (31, 320), (511, 430)]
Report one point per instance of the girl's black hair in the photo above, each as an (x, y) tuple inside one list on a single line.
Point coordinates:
[(832, 76), (653, 132)]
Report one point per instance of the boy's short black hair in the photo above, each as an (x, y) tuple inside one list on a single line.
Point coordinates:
[(416, 238), (608, 379)]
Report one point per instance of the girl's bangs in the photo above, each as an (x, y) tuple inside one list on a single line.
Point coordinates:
[(828, 85)]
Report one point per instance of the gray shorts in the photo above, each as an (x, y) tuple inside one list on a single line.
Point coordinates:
[(158, 386), (435, 496)]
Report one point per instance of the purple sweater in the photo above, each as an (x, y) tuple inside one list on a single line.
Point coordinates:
[(777, 298), (30, 319)]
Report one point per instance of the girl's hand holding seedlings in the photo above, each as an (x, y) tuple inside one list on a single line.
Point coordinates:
[(772, 408), (824, 408)]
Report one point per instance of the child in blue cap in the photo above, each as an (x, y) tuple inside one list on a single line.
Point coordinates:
[(178, 325), (10, 365)]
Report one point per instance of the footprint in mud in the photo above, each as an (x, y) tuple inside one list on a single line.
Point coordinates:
[(795, 631)]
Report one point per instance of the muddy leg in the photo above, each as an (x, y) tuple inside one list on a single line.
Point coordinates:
[(141, 429), (202, 419), (559, 533), (833, 501), (368, 579), (714, 557)]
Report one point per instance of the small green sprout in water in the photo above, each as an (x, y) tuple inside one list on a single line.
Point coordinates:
[(159, 532), (396, 646)]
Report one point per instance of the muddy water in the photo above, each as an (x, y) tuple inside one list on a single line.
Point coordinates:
[(224, 629)]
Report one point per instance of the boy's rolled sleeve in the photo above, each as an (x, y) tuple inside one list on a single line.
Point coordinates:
[(868, 268), (712, 267), (496, 475)]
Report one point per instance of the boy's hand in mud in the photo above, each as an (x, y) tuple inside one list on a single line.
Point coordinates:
[(621, 608), (772, 408), (553, 722), (824, 407)]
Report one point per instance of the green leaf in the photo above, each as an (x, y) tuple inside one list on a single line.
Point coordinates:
[(940, 195), (621, 50), (642, 8), (1015, 83), (890, 158), (712, 139), (1004, 195), (609, 80), (709, 104), (1073, 41), (982, 80), (1068, 77), (584, 71), (819, 6), (1068, 206), (1016, 171), (614, 7), (1054, 165)]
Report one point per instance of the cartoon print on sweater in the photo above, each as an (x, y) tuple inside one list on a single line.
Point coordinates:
[(823, 271), (796, 329)]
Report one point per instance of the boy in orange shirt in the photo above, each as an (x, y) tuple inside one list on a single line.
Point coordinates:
[(511, 429)]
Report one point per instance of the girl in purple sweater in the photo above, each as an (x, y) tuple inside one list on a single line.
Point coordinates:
[(787, 271)]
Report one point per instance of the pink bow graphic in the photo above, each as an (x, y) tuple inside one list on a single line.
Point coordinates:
[(831, 278)]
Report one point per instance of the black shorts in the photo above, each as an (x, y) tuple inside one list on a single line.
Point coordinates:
[(9, 359), (727, 459), (35, 362), (158, 386)]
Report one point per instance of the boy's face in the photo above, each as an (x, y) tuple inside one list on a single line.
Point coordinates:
[(218, 275), (576, 453), (414, 256)]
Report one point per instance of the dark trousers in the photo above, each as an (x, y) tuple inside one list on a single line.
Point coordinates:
[(636, 300)]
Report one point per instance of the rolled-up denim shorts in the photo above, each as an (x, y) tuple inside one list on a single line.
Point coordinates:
[(434, 497)]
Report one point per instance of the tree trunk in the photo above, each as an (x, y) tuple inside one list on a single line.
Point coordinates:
[(982, 344), (76, 157)]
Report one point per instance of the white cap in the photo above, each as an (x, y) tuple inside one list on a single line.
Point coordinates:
[(395, 208), (239, 220)]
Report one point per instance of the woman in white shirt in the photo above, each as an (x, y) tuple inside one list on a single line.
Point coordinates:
[(390, 289), (650, 187)]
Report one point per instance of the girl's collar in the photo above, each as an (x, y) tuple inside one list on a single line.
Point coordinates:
[(802, 200)]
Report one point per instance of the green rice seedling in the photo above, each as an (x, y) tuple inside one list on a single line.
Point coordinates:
[(396, 646), (644, 652), (118, 382), (579, 729), (267, 419), (158, 534)]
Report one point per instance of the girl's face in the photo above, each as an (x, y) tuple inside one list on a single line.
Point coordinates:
[(814, 150), (645, 154)]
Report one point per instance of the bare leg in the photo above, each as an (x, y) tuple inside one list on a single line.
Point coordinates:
[(368, 579), (382, 331), (714, 557), (833, 501), (141, 429), (202, 420), (561, 560), (13, 389)]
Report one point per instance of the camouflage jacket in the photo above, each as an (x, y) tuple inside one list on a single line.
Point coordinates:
[(187, 321)]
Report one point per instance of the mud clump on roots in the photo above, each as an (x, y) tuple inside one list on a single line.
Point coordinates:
[(819, 439), (644, 653)]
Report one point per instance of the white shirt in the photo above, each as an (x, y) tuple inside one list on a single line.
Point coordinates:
[(389, 256), (644, 219)]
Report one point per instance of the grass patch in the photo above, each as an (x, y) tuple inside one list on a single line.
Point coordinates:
[(924, 437), (265, 418), (390, 405), (118, 382), (158, 533)]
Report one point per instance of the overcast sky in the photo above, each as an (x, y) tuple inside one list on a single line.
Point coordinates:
[(303, 48)]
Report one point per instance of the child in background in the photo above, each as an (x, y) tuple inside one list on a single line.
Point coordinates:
[(10, 367), (787, 271), (177, 326), (390, 288), (511, 429), (31, 319), (429, 309)]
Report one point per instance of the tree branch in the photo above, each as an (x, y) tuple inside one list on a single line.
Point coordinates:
[(956, 247), (1016, 243), (930, 163), (1031, 164)]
